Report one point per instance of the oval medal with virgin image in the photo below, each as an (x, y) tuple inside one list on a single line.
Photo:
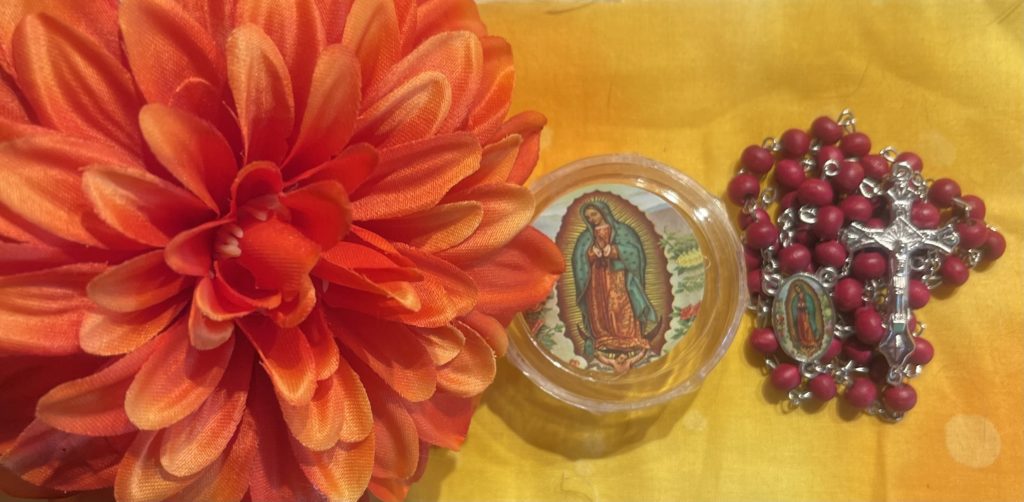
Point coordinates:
[(803, 317)]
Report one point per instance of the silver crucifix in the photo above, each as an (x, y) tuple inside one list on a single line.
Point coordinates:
[(901, 239)]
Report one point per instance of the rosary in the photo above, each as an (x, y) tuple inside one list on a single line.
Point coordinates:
[(859, 242)]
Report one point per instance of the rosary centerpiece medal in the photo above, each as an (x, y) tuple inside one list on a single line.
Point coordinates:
[(859, 241)]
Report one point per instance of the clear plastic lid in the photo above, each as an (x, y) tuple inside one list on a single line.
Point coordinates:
[(653, 290)]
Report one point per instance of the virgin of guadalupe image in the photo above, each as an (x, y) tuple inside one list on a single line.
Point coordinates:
[(609, 266), (803, 310)]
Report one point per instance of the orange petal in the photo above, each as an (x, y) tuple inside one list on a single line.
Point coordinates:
[(433, 230), (397, 442), (413, 111), (457, 55), (84, 463), (296, 30), (320, 210), (263, 93), (197, 441), (439, 16), (41, 312), (235, 285), (330, 112), (210, 300), (472, 370), (390, 349), (491, 330), (200, 98), (141, 205), (140, 476), (350, 168), (10, 104), (226, 479), (205, 333), (108, 333), (442, 420), (495, 93), (175, 381), (333, 14), (317, 424), (507, 209), (275, 476), (190, 252), (286, 357), (517, 277), (446, 291), (193, 150), (255, 180), (73, 84), (26, 379), (13, 486), (357, 422), (496, 163), (527, 125), (388, 489), (277, 255), (95, 405), (96, 18), (371, 33), (415, 177), (165, 46), (294, 310), (322, 344), (43, 183), (442, 343), (341, 472), (136, 284)]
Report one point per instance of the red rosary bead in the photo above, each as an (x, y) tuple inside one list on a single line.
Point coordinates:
[(857, 208), (857, 351), (900, 398), (848, 294), (789, 174), (855, 144), (869, 265), (827, 153), (861, 393), (849, 177), (788, 200), (973, 233), (794, 258), (911, 158), (923, 351), (943, 191), (826, 130), (976, 204), (758, 215), (795, 143), (925, 215), (752, 258), (830, 254), (828, 222), (995, 245), (742, 186), (919, 294), (816, 192), (803, 235), (875, 166), (954, 271), (833, 350), (786, 377), (763, 340), (757, 159), (867, 323), (823, 387), (875, 223), (754, 281), (762, 234)]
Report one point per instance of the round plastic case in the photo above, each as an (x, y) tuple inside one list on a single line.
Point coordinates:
[(653, 289)]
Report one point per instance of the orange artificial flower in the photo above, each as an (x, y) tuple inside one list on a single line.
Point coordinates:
[(254, 249)]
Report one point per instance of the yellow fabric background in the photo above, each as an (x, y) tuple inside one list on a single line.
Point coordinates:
[(691, 83)]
